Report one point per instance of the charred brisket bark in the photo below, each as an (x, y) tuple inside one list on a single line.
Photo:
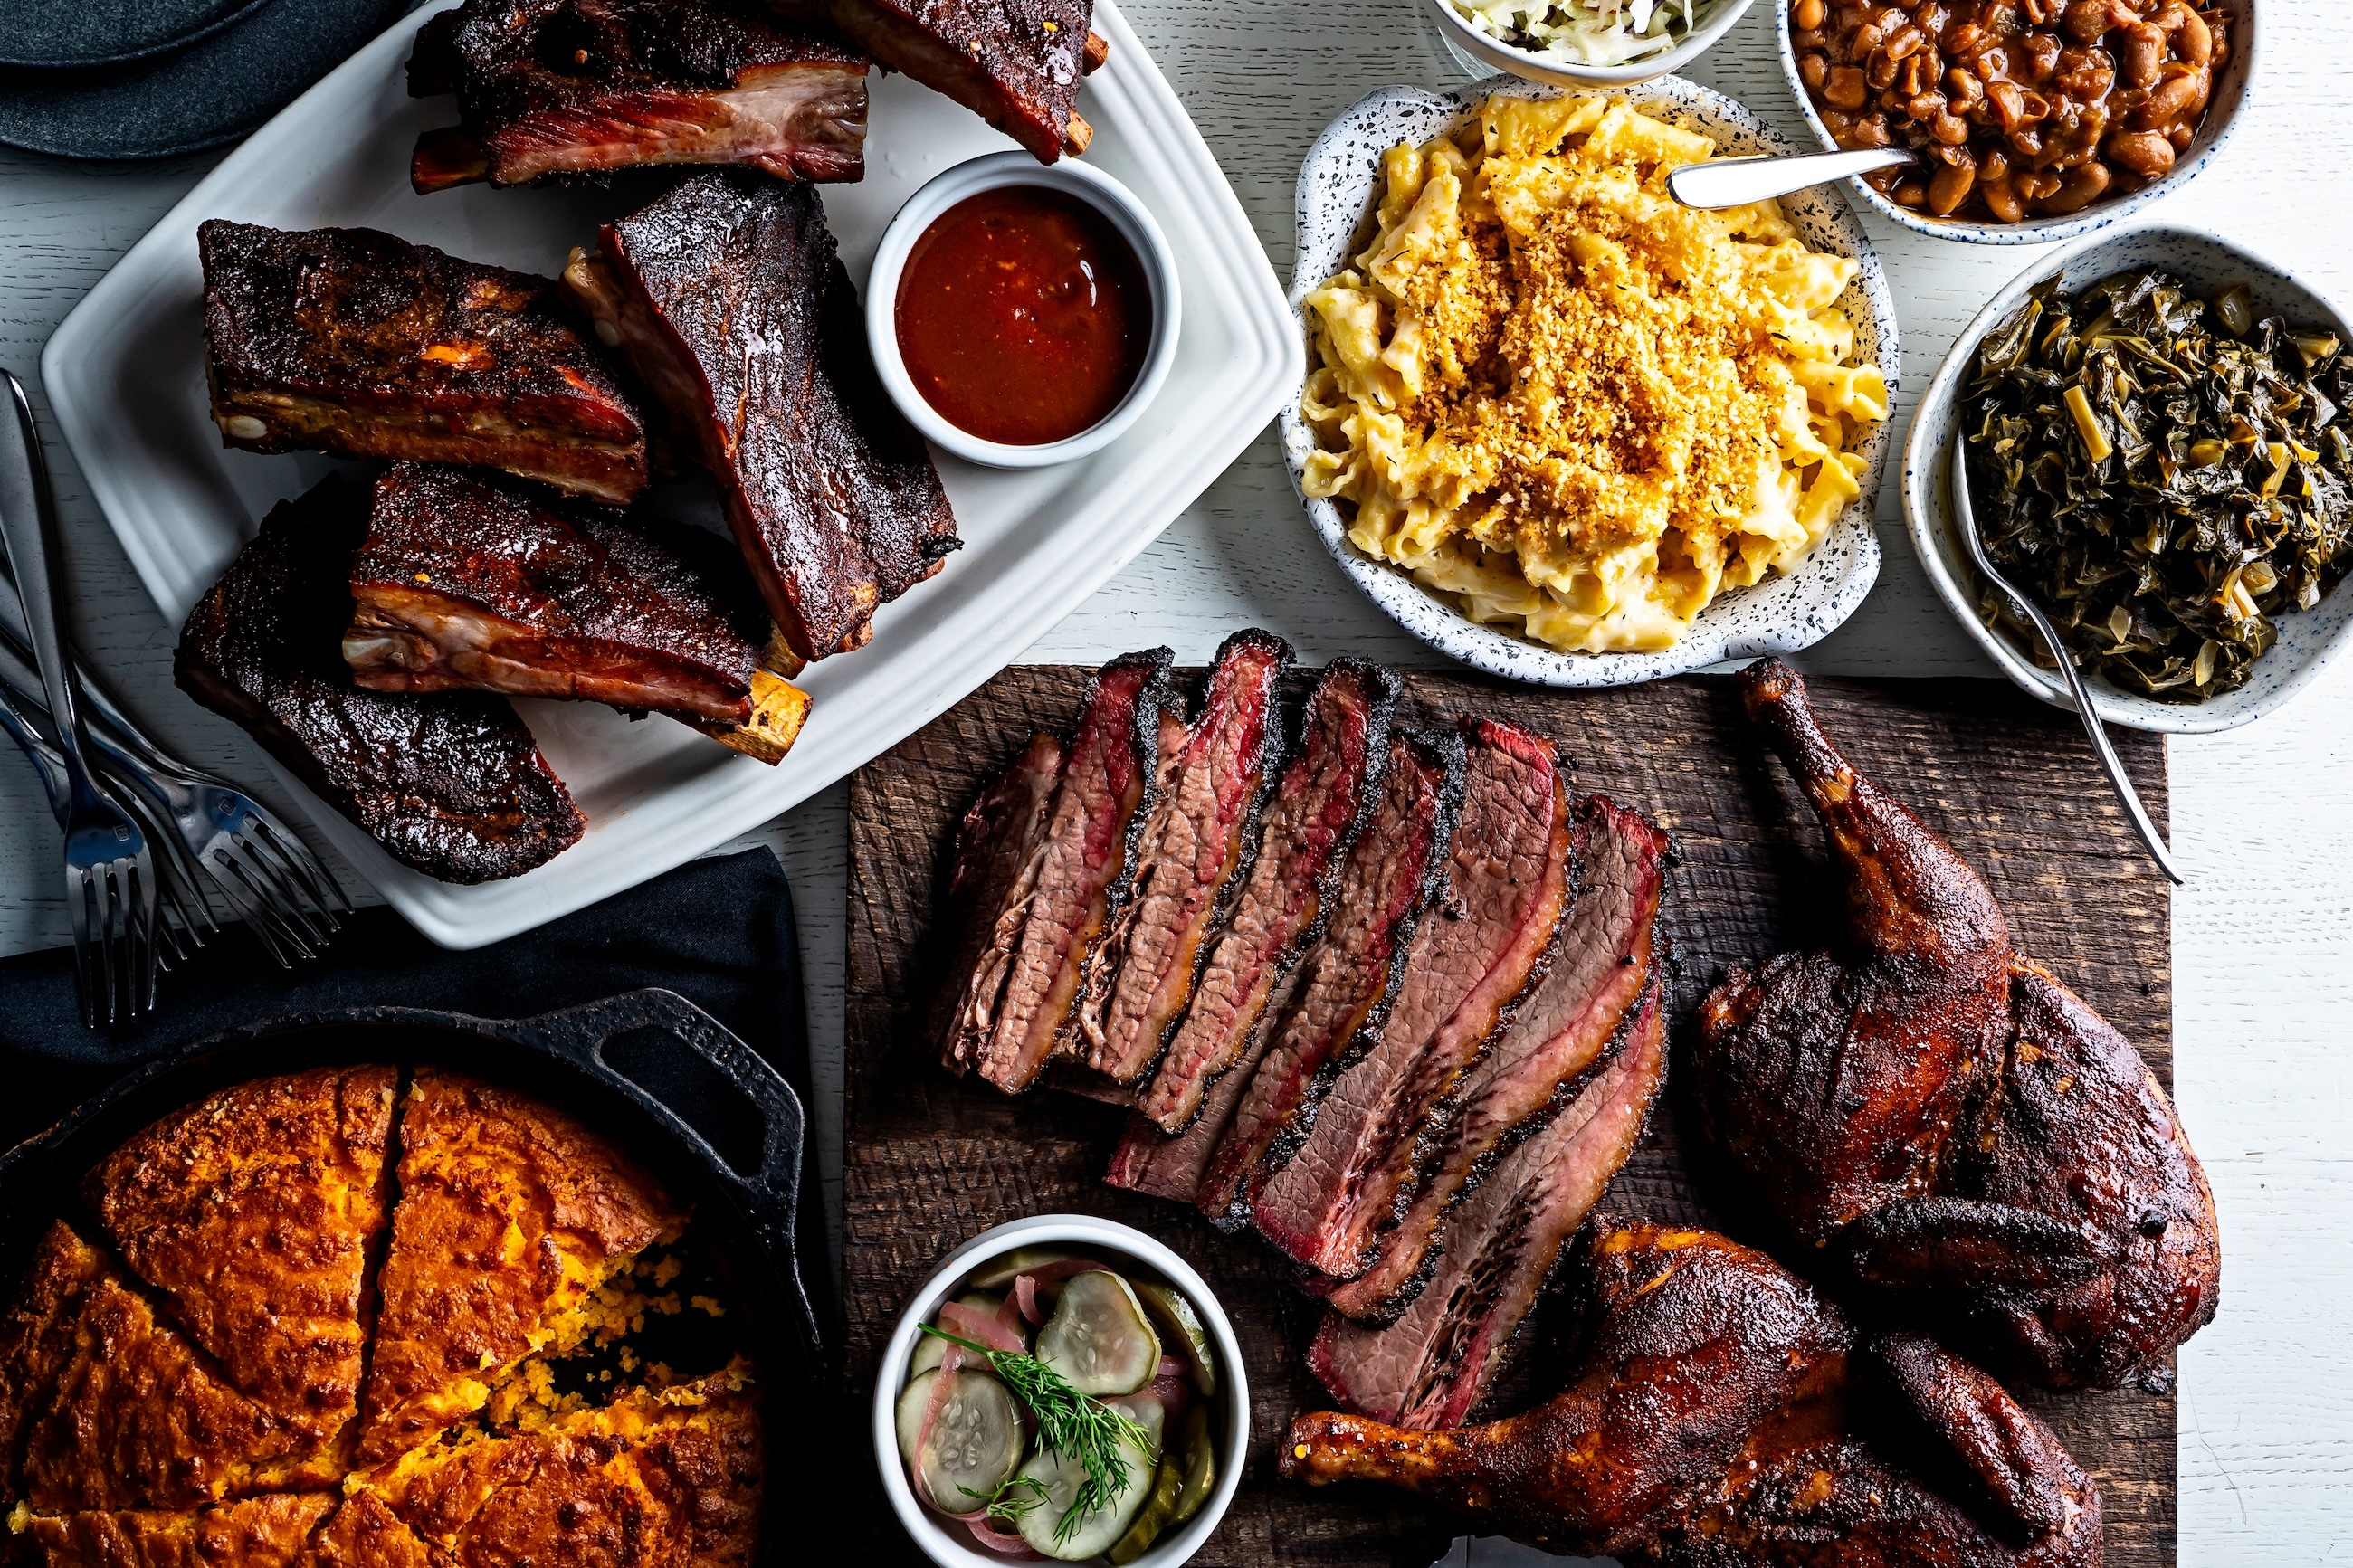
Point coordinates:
[(727, 298), (1380, 1123), (1140, 975), (985, 902), (355, 343), (449, 784), (567, 86)]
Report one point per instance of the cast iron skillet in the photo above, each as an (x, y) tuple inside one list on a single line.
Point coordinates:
[(647, 1069)]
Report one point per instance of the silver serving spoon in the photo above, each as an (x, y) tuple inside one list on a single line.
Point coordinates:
[(1736, 181), (2109, 764)]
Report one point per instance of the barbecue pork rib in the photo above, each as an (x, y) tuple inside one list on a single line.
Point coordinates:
[(1140, 975), (1381, 1119), (1015, 1003), (1015, 63), (1931, 1109), (574, 86), (465, 581), (1496, 1251), (727, 298), (358, 344), (1395, 875), (449, 784), (1544, 1058), (1724, 1415)]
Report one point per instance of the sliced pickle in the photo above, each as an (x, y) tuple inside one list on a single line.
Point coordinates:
[(999, 1275), (1098, 1338), (930, 1348), (1061, 1478), (1158, 1512), (974, 1445), (1201, 1464), (1175, 1314)]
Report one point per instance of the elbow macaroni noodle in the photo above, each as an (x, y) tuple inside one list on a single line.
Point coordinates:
[(1573, 406)]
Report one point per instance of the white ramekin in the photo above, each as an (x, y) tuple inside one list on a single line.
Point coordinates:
[(1114, 1242), (995, 171)]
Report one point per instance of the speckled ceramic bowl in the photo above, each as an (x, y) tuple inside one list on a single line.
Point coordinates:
[(2231, 91), (2308, 639), (1466, 37), (1781, 615)]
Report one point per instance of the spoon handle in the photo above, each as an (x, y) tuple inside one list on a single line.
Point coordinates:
[(2110, 764), (1736, 181)]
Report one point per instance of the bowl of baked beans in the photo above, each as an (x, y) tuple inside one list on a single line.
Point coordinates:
[(2033, 120)]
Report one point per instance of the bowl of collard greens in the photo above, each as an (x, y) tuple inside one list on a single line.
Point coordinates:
[(2159, 433)]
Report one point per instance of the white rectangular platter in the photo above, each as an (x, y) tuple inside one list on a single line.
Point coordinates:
[(125, 374)]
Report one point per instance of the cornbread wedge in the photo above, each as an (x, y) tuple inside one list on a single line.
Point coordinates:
[(257, 1532)]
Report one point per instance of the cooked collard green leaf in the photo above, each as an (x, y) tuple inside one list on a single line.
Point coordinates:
[(2164, 473)]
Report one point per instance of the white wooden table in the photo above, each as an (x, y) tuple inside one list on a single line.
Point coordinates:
[(2262, 934)]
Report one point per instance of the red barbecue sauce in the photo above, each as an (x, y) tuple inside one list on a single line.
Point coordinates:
[(1023, 315)]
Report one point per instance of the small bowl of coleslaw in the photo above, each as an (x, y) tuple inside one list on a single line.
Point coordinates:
[(1586, 43)]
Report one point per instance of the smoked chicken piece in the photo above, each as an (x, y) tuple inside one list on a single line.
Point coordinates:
[(1395, 875), (727, 298), (1546, 1059), (358, 344), (1016, 1002), (105, 1407), (510, 1216), (1496, 1251), (257, 1532), (252, 1212), (571, 87), (1141, 973), (1931, 1109), (450, 783), (1305, 831), (1015, 63), (1723, 1415), (650, 1478), (1382, 1119), (467, 581)]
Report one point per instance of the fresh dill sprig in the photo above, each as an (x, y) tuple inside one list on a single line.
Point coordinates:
[(1069, 1424), (1016, 1499)]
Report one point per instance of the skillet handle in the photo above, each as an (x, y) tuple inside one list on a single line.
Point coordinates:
[(770, 1193)]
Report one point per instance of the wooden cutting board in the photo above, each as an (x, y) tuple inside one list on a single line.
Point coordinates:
[(932, 1161)]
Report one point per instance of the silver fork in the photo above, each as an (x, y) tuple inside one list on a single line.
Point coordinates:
[(110, 871)]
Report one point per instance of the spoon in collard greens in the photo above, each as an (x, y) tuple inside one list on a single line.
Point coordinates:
[(2109, 763)]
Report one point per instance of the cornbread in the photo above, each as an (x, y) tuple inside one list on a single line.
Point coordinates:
[(1575, 407), (260, 1533)]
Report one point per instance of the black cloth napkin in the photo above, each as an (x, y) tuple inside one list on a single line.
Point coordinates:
[(719, 932)]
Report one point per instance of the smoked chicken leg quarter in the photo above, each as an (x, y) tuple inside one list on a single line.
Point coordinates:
[(1943, 1120)]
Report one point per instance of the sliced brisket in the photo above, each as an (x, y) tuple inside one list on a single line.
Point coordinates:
[(1306, 829), (1381, 1121), (359, 343), (564, 87), (1105, 791), (727, 298), (1140, 975), (1542, 1059), (1431, 1367), (449, 782), (1015, 63), (985, 902), (1393, 874)]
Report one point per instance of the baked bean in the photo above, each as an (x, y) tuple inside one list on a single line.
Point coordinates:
[(2024, 107)]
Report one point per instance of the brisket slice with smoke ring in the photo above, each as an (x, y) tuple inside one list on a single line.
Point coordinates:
[(727, 298), (1197, 845), (569, 87), (1394, 874), (1008, 1029), (1000, 848), (1432, 1366), (1305, 831), (1600, 961), (449, 782), (358, 344), (1380, 1123)]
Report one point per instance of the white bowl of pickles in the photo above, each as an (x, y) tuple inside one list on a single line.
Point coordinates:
[(1061, 1388)]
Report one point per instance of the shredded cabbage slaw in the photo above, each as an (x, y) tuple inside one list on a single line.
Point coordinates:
[(1584, 32)]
